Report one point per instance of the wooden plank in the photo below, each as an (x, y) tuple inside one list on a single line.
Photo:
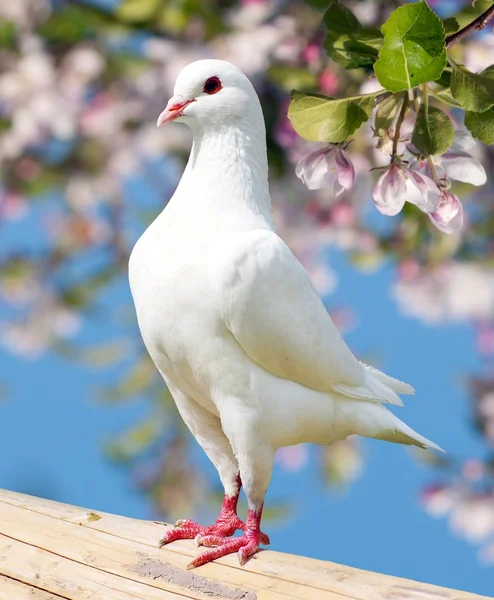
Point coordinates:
[(11, 589), (270, 575), (163, 569), (59, 575)]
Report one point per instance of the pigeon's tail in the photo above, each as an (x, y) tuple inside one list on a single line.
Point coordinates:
[(372, 420), (377, 386), (400, 433), (400, 387)]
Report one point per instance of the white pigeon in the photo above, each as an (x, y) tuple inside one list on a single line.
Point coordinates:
[(232, 320)]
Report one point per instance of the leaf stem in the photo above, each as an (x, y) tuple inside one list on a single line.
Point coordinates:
[(478, 24), (433, 171), (424, 89), (399, 123), (425, 97)]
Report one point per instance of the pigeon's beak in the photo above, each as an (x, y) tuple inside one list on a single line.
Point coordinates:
[(174, 109)]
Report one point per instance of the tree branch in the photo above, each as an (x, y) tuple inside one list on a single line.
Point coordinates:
[(478, 24)]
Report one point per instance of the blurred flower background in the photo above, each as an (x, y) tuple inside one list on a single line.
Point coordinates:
[(85, 416)]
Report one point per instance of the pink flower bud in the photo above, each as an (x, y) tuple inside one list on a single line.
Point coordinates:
[(311, 53), (390, 191), (346, 171), (448, 217), (327, 167), (462, 166), (329, 82), (422, 191), (456, 163)]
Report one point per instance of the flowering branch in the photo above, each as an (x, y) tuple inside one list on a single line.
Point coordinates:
[(405, 69), (478, 24)]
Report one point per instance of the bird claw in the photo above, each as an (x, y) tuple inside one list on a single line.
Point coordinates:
[(264, 539), (209, 540), (245, 546), (186, 529)]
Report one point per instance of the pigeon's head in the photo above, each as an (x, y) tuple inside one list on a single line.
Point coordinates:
[(210, 93)]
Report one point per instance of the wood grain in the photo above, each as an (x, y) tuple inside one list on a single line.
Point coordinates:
[(53, 551)]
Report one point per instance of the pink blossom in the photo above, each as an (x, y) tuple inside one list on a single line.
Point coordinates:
[(448, 217), (485, 339), (342, 215), (456, 163), (399, 184), (329, 82), (459, 164), (343, 461), (13, 206), (327, 166), (438, 500), (390, 190), (422, 191), (293, 458), (408, 269), (311, 53), (462, 166), (284, 133), (473, 469)]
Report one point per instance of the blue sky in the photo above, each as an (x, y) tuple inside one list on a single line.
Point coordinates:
[(53, 431)]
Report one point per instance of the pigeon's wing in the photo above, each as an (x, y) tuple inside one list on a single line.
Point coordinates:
[(276, 315)]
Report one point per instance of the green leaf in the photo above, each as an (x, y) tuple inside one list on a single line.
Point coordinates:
[(103, 354), (450, 25), (318, 5), (136, 379), (348, 42), (367, 45), (481, 125), (67, 26), (138, 11), (7, 34), (174, 17), (434, 131), (413, 50), (475, 92), (445, 79), (292, 77), (444, 96), (318, 118), (387, 112), (441, 90), (136, 440)]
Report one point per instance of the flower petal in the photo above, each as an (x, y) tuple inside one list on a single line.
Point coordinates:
[(390, 191), (318, 169), (338, 189), (346, 170), (463, 167), (463, 141), (422, 191), (448, 217)]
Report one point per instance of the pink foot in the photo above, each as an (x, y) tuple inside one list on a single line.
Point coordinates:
[(226, 525), (189, 530), (245, 546), (186, 529)]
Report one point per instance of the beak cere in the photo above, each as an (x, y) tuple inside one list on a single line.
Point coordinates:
[(174, 109)]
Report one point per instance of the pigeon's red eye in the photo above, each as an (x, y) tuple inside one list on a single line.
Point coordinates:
[(212, 85)]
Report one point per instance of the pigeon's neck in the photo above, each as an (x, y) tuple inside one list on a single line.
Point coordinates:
[(226, 178)]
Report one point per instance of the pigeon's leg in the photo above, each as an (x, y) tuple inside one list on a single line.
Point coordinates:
[(207, 430), (255, 459)]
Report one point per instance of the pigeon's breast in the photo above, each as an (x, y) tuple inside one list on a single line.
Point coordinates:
[(175, 291)]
